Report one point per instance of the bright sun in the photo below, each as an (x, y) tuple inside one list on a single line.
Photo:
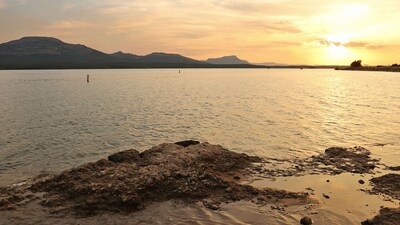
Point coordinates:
[(337, 51)]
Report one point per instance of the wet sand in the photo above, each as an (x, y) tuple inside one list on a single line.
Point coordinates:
[(200, 183)]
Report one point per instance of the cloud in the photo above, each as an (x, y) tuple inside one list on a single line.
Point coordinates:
[(72, 24), (355, 44), (271, 26), (351, 44)]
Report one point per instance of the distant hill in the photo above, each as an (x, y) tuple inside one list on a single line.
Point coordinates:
[(227, 60), (125, 56), (52, 53), (167, 58), (271, 64)]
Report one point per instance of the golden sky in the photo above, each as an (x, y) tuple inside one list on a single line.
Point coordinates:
[(284, 31)]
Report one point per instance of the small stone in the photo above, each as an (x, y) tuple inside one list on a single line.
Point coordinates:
[(236, 177), (306, 221), (328, 181), (361, 182), (326, 196)]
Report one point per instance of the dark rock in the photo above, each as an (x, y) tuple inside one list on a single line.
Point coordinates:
[(354, 160), (361, 181), (187, 143), (394, 168), (388, 184), (326, 196), (212, 205), (387, 216), (130, 181), (128, 156), (306, 221)]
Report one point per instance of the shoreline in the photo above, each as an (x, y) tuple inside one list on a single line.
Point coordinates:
[(251, 66), (371, 68), (199, 177)]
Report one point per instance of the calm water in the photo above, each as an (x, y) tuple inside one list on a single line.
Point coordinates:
[(54, 120)]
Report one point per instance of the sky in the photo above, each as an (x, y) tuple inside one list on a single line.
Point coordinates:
[(329, 32)]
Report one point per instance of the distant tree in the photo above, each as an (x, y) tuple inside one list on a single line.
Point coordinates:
[(356, 63), (395, 65)]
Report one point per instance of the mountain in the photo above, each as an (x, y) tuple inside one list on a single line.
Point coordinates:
[(52, 53), (271, 64), (227, 60), (125, 56), (167, 58)]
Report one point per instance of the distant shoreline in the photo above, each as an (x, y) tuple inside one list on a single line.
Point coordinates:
[(187, 66), (371, 68)]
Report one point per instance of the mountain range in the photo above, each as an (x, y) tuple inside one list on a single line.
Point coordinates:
[(226, 60), (52, 53)]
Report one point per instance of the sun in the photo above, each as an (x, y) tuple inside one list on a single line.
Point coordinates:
[(336, 50)]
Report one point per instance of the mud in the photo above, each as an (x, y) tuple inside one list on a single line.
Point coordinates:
[(387, 216), (130, 181), (388, 184)]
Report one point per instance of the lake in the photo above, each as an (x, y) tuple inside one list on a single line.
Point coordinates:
[(54, 120)]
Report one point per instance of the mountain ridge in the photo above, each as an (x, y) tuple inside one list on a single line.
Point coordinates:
[(231, 59), (51, 53)]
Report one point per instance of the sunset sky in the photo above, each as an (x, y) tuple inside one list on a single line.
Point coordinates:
[(284, 31)]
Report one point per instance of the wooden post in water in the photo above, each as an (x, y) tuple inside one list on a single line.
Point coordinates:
[(87, 78)]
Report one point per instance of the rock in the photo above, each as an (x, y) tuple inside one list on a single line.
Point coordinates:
[(326, 196), (187, 143), (338, 160), (306, 221), (394, 168), (212, 205), (165, 172), (388, 184), (361, 181), (328, 181), (387, 216), (128, 156)]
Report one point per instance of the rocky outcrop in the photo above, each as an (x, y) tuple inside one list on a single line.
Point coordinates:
[(387, 216), (388, 184), (129, 181)]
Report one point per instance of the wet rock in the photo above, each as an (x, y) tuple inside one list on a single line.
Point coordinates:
[(129, 181), (212, 205), (333, 161), (387, 216), (394, 168), (338, 160), (9, 198), (187, 143), (388, 184), (306, 221)]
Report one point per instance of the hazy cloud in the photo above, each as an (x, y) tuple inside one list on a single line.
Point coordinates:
[(72, 24), (351, 44), (355, 44)]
